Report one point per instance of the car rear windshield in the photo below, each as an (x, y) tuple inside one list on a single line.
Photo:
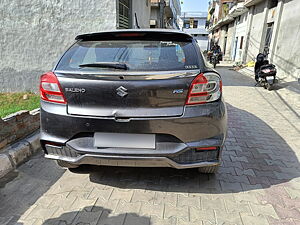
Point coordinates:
[(135, 54)]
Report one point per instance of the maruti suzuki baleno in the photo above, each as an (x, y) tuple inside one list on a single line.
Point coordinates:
[(142, 98)]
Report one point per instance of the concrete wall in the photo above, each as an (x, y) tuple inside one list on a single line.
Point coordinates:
[(241, 28), (202, 42), (34, 33), (154, 15), (199, 33), (256, 37), (229, 43), (286, 52), (201, 23), (142, 11), (222, 40)]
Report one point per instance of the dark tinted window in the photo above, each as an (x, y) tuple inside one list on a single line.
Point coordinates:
[(137, 55)]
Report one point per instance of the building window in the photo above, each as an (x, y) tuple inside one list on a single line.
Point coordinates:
[(225, 45), (238, 20), (241, 43), (273, 3), (123, 14), (195, 25), (187, 25)]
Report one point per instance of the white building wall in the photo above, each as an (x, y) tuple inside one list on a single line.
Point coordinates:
[(201, 23), (229, 42), (154, 15), (34, 33), (240, 35), (222, 39), (286, 52), (256, 31), (199, 33), (142, 10), (202, 42)]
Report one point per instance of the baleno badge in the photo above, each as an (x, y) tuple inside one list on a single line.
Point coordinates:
[(75, 90), (121, 91)]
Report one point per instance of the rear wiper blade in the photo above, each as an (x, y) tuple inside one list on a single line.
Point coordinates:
[(115, 65)]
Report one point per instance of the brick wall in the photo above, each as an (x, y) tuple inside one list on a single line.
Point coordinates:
[(18, 125)]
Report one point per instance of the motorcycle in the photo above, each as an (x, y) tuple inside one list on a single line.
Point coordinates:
[(215, 59), (267, 76), (266, 73)]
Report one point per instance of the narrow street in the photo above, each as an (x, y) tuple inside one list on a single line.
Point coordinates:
[(258, 183)]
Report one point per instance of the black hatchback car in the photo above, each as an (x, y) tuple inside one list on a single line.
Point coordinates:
[(140, 98)]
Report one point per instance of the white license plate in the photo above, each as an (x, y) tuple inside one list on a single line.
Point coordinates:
[(270, 78), (124, 140)]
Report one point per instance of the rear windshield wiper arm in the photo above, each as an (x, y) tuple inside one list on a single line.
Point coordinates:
[(115, 65)]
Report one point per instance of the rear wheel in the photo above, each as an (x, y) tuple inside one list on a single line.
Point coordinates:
[(208, 169), (66, 164), (215, 64), (269, 87)]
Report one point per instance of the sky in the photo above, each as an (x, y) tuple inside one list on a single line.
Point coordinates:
[(194, 5)]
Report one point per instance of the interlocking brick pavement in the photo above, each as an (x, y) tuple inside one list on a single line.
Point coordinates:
[(258, 182)]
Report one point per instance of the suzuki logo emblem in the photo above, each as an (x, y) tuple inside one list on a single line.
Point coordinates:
[(121, 91)]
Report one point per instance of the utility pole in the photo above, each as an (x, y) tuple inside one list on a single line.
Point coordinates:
[(161, 13)]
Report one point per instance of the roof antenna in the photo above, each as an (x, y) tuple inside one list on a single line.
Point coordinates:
[(136, 21)]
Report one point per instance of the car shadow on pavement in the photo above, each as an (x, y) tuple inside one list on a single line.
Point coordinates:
[(98, 215), (239, 81), (254, 157), (26, 186)]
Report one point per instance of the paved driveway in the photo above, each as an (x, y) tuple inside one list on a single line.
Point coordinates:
[(258, 182)]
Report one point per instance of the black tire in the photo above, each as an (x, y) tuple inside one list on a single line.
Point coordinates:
[(215, 63), (269, 87), (209, 169), (66, 164)]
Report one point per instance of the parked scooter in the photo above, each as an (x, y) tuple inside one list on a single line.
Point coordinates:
[(265, 72)]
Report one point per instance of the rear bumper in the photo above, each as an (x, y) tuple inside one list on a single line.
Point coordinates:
[(197, 123), (166, 154), (177, 137), (128, 161)]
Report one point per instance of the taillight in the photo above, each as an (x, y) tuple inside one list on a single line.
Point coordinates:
[(206, 87), (50, 89), (267, 70)]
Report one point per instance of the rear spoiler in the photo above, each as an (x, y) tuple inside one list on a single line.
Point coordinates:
[(136, 35)]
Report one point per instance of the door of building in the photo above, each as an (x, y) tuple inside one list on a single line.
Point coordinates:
[(235, 48), (268, 39)]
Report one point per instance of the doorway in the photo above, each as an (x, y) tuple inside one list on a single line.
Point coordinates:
[(268, 38)]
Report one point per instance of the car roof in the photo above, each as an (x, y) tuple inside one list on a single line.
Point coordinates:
[(141, 34)]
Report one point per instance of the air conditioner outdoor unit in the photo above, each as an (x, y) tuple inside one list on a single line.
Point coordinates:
[(152, 22)]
